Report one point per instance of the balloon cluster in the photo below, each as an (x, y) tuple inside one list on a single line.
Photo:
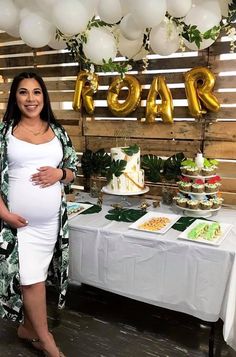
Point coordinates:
[(104, 28)]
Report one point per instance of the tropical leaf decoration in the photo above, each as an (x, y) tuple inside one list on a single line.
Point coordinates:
[(124, 214), (116, 168), (87, 163), (153, 166), (95, 163), (171, 169), (131, 150)]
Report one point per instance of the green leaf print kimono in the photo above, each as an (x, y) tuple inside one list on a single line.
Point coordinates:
[(10, 294)]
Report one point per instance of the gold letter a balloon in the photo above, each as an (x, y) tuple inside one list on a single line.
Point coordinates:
[(199, 83), (165, 109), (86, 86)]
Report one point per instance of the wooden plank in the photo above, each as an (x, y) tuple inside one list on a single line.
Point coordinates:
[(225, 130), (179, 112), (57, 71), (78, 143), (73, 130), (229, 198), (228, 185), (218, 66), (220, 150), (56, 85), (148, 146), (178, 130), (227, 169)]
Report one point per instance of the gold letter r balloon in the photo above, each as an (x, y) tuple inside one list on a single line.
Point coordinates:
[(199, 83), (86, 86)]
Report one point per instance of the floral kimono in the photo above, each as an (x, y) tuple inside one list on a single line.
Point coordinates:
[(11, 305)]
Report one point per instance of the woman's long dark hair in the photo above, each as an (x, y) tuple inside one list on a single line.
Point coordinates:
[(12, 111)]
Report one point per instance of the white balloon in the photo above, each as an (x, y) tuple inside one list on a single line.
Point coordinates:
[(129, 28), (8, 14), (129, 48), (178, 8), (205, 15), (100, 45), (109, 11), (70, 16), (127, 6), (91, 6), (14, 31), (204, 44), (57, 44), (35, 31), (149, 13), (164, 38), (224, 7)]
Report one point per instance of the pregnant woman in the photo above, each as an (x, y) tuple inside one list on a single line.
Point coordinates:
[(37, 161)]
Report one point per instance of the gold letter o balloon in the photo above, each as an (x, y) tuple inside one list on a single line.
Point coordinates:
[(131, 102)]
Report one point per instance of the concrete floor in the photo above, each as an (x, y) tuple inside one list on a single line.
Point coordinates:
[(100, 324)]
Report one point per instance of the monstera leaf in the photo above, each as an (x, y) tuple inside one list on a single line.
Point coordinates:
[(87, 163), (124, 214), (101, 162), (95, 163), (116, 168), (131, 150), (153, 166), (171, 170)]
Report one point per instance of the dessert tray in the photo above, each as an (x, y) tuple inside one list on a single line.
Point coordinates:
[(155, 222), (224, 228), (75, 208), (141, 192), (198, 212), (198, 193), (199, 176)]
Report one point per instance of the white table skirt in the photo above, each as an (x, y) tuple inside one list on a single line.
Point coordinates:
[(189, 277)]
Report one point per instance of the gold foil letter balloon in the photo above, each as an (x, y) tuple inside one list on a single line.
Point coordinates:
[(199, 83), (86, 86), (165, 109), (132, 100)]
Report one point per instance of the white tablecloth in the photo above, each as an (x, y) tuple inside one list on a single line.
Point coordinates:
[(189, 277)]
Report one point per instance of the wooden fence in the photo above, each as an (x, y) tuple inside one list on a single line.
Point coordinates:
[(214, 134)]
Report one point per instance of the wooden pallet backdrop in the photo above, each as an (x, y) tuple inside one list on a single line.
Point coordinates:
[(215, 134)]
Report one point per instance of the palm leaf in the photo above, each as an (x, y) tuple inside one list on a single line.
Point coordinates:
[(171, 169), (116, 168), (153, 166)]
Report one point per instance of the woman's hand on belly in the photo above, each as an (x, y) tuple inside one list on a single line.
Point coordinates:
[(47, 176), (15, 221)]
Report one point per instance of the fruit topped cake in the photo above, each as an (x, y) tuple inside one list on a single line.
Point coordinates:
[(125, 173)]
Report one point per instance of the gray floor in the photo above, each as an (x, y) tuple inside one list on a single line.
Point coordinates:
[(99, 324)]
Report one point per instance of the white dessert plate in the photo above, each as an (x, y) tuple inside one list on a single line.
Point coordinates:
[(199, 176), (199, 193), (151, 214), (106, 190), (199, 210), (225, 229), (78, 207)]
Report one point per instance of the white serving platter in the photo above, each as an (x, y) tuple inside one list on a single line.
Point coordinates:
[(110, 192), (78, 207), (225, 229), (151, 214)]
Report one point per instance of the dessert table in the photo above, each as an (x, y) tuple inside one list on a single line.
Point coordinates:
[(159, 269)]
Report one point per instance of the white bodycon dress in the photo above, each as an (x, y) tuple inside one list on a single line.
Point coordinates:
[(39, 206)]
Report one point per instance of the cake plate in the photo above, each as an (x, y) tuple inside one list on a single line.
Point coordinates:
[(124, 201)]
